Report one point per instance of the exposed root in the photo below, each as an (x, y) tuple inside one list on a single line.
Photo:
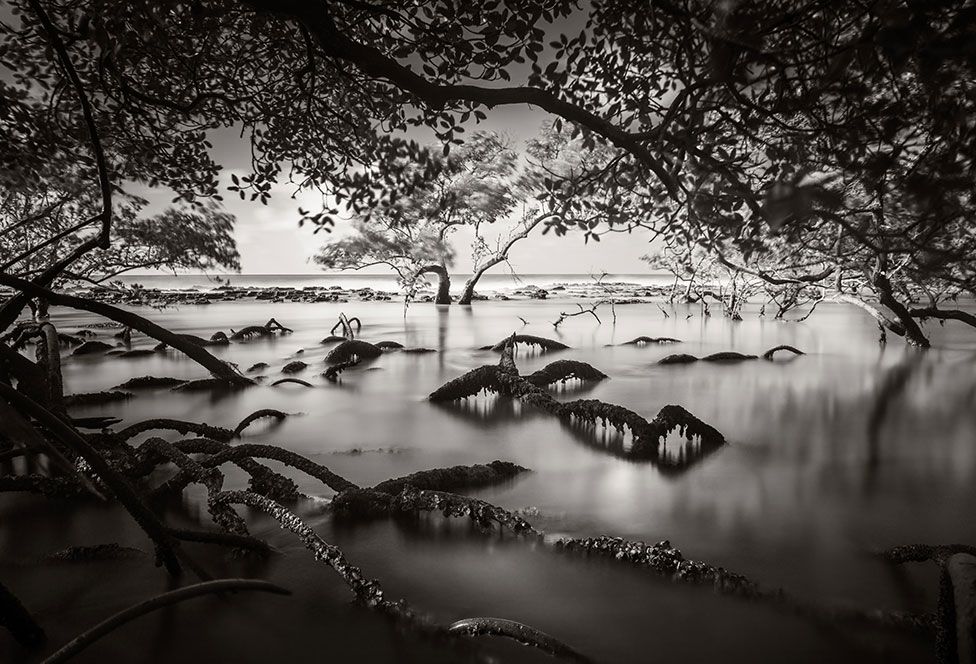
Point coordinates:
[(520, 632), (92, 347), (351, 349), (333, 372), (149, 382), (85, 639), (918, 553), (455, 478), (647, 436), (369, 592), (728, 356), (482, 379), (239, 452), (257, 415), (296, 381), (644, 341), (768, 355), (258, 331), (52, 487), (211, 385), (345, 324), (231, 540), (95, 398), (542, 343), (678, 358), (483, 514), (180, 426), (563, 370), (69, 437), (15, 617)]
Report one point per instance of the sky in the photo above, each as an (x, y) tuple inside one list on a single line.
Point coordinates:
[(271, 242)]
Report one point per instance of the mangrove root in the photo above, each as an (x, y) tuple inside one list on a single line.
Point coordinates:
[(542, 343), (520, 632), (95, 398), (220, 586), (296, 381), (563, 370), (728, 356), (149, 382), (644, 341), (18, 620), (257, 415), (351, 349), (258, 331)]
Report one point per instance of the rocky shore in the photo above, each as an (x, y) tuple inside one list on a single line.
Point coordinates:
[(619, 292)]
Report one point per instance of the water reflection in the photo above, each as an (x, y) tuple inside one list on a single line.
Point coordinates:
[(852, 449)]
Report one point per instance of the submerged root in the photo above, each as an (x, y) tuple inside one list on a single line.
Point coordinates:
[(369, 592), (149, 382), (563, 370), (258, 331), (15, 617), (333, 372), (211, 385), (768, 355), (257, 415), (542, 343), (85, 554), (95, 398), (352, 349), (455, 478), (644, 341), (918, 553), (221, 586), (517, 631), (728, 356), (482, 379), (296, 381), (180, 426)]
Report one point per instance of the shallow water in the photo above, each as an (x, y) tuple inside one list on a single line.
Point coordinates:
[(803, 493)]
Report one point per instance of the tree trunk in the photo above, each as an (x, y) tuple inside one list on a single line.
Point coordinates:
[(444, 282), (913, 333), (198, 353)]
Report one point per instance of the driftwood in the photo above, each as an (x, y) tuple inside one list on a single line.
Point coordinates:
[(351, 349), (542, 343), (220, 586)]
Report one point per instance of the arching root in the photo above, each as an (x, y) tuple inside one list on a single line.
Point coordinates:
[(542, 343), (296, 381), (517, 631), (257, 415), (563, 370), (768, 355)]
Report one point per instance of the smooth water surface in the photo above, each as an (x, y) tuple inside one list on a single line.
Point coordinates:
[(833, 455)]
